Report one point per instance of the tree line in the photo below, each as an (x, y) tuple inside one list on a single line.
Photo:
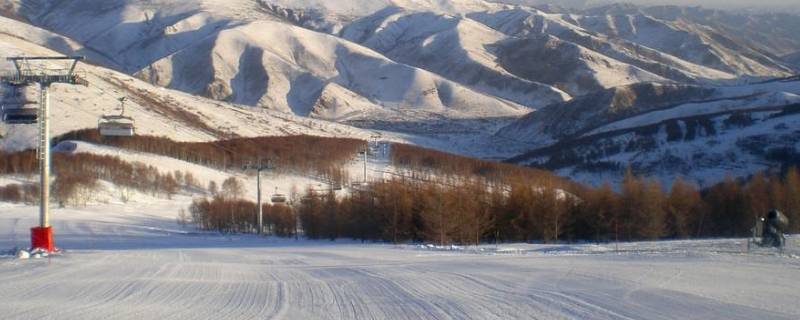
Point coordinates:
[(233, 215), (478, 210), (308, 155), (20, 193), (77, 177), (434, 162), (434, 196)]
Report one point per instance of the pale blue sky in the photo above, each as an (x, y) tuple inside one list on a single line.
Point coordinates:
[(723, 4), (726, 3)]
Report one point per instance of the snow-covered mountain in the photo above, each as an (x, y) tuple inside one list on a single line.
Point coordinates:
[(772, 32), (157, 111), (793, 59), (455, 47), (283, 67), (681, 52), (665, 131), (486, 47), (696, 36), (443, 74)]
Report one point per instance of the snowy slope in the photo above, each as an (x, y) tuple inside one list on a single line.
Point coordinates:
[(56, 42), (682, 38), (132, 34), (489, 60), (283, 183), (157, 111), (606, 110), (702, 134), (706, 150), (567, 65), (184, 117), (793, 59), (772, 31), (599, 109), (442, 74), (763, 101), (527, 22), (222, 39), (134, 261), (288, 67), (424, 33), (455, 47)]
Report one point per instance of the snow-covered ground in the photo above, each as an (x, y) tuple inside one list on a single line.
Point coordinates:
[(378, 168), (134, 261)]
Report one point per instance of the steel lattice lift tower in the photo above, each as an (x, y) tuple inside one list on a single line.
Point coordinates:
[(42, 235)]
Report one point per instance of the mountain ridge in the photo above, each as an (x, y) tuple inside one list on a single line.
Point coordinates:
[(464, 76)]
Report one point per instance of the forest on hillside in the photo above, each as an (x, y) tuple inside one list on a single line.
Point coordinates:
[(445, 198), (77, 176), (309, 155), (402, 210), (433, 197)]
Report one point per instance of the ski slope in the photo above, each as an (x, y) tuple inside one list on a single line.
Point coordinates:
[(133, 261)]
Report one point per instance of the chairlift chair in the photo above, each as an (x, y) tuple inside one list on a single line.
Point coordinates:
[(15, 107), (306, 199), (117, 125), (278, 197), (357, 184), (20, 115)]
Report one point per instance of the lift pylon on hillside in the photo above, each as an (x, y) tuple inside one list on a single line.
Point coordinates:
[(37, 70), (260, 166)]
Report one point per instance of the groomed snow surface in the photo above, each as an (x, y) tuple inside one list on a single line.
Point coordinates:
[(133, 261)]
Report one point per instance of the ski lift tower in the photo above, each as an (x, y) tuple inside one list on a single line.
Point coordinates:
[(260, 166), (44, 76)]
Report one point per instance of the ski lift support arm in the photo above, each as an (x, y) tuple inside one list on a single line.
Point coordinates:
[(45, 79)]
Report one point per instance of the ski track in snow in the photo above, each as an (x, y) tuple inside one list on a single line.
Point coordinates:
[(139, 264)]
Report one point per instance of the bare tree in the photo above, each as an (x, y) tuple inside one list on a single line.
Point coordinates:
[(170, 185), (212, 188), (792, 202), (232, 188), (683, 209)]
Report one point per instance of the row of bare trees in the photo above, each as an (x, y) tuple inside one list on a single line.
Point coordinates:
[(441, 163), (22, 162), (77, 177), (476, 211), (642, 210), (402, 210), (308, 155), (226, 214), (20, 193), (448, 199)]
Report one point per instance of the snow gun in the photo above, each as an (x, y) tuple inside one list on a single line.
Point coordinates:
[(774, 225)]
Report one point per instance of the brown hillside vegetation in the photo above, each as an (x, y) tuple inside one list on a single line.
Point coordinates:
[(447, 199), (401, 210), (442, 163), (77, 175), (306, 154)]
